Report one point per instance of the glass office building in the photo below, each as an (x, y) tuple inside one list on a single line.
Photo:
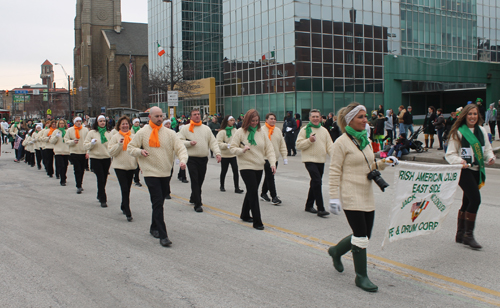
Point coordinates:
[(197, 35), (280, 55)]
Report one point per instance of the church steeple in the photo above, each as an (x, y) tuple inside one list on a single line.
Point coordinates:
[(47, 74)]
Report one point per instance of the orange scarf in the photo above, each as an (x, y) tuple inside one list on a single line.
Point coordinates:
[(51, 130), (192, 125), (77, 131), (271, 130), (154, 139), (126, 138)]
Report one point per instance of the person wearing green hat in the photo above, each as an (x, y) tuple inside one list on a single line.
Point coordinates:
[(482, 110)]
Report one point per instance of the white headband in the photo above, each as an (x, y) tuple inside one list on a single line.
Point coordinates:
[(101, 116), (77, 119), (353, 113), (166, 121), (230, 118), (136, 120)]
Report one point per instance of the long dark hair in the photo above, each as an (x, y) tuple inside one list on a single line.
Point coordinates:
[(96, 125), (223, 125), (462, 118), (252, 113)]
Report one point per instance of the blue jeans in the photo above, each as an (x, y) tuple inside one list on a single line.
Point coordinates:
[(399, 153), (20, 152), (410, 128), (440, 137)]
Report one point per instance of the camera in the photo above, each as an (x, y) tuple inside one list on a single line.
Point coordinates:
[(375, 176)]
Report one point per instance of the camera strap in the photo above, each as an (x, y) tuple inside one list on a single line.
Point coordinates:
[(356, 143)]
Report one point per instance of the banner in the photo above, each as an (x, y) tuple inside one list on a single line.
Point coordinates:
[(423, 198)]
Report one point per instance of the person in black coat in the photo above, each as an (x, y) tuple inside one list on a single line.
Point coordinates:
[(289, 128), (429, 129)]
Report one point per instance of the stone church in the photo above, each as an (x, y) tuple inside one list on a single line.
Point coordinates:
[(110, 58)]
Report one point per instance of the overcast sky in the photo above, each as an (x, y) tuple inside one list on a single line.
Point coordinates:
[(33, 31)]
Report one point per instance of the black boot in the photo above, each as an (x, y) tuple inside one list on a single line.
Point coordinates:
[(336, 252), (360, 265), (468, 239), (460, 227)]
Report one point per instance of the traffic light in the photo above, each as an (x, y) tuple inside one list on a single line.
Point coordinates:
[(6, 92), (74, 91), (70, 91)]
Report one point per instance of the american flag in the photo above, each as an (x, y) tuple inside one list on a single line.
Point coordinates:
[(130, 69)]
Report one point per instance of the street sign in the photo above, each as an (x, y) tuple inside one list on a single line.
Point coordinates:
[(49, 111), (173, 98), (80, 88), (21, 91), (36, 92), (19, 98), (103, 109), (45, 95)]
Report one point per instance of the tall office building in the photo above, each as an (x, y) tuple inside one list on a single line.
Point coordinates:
[(281, 55), (197, 36)]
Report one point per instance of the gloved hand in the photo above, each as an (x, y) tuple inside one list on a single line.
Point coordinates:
[(335, 206), (288, 129), (58, 134), (391, 161), (177, 161), (285, 161), (93, 141), (228, 146)]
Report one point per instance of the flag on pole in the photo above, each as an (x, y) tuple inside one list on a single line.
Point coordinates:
[(130, 69), (268, 55), (161, 52)]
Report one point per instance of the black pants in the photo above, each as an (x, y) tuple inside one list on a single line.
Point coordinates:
[(158, 188), (269, 184), (170, 178), (101, 170), (492, 129), (137, 179), (251, 203), (38, 154), (197, 167), (181, 175), (49, 161), (125, 179), (469, 180), (315, 193), (223, 171), (361, 222), (79, 164), (290, 143), (62, 167)]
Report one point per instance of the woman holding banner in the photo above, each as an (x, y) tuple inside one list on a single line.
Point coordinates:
[(469, 145), (353, 156)]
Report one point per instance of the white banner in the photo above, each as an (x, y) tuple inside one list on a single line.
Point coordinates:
[(423, 198)]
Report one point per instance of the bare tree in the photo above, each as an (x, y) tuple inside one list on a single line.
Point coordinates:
[(161, 79)]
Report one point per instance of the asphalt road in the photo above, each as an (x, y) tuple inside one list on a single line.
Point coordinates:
[(60, 249)]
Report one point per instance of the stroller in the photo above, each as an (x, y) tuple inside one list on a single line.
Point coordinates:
[(414, 143)]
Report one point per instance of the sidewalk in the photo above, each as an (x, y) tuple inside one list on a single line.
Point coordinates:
[(437, 157)]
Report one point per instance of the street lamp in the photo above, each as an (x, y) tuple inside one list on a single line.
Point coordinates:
[(171, 45), (69, 89)]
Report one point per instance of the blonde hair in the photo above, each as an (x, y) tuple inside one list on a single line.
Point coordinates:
[(342, 113)]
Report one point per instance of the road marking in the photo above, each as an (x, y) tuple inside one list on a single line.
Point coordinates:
[(389, 266), (392, 266)]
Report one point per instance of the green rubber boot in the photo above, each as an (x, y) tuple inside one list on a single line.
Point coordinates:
[(336, 252), (362, 280)]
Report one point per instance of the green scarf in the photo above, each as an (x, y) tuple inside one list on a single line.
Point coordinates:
[(309, 129), (476, 142), (174, 122), (136, 129), (251, 135), (360, 136), (228, 131), (102, 131), (63, 130)]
